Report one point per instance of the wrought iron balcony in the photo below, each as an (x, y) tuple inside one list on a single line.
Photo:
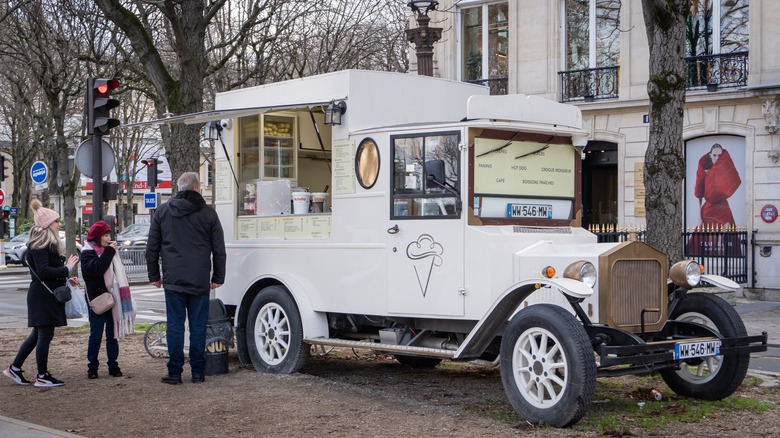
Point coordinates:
[(711, 72), (498, 86), (589, 84)]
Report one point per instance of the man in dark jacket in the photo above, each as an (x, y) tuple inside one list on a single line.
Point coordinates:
[(187, 235)]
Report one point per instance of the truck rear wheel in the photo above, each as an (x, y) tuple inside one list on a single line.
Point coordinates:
[(275, 333), (547, 366), (715, 377)]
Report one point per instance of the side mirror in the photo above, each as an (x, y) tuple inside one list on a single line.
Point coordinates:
[(434, 171)]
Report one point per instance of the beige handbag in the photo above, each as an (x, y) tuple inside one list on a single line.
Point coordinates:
[(102, 303)]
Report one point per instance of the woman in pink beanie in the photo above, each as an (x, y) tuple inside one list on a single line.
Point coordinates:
[(45, 256)]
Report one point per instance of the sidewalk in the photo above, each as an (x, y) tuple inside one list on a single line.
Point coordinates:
[(20, 429)]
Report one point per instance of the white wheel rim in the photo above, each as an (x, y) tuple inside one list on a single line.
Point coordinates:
[(708, 368), (272, 334), (540, 368)]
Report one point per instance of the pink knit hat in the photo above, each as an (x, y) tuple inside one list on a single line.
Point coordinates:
[(43, 216)]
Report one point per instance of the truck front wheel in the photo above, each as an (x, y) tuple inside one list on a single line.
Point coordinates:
[(714, 377), (547, 366), (275, 333)]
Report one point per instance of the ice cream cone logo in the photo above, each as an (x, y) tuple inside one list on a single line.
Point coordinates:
[(427, 253)]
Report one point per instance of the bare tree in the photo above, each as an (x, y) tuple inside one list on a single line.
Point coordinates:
[(40, 40), (665, 21), (168, 40)]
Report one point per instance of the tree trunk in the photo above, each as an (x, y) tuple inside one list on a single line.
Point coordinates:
[(664, 159)]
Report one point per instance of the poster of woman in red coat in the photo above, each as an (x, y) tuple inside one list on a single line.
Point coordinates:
[(714, 178)]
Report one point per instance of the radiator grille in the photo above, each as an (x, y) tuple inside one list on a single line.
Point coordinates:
[(635, 286)]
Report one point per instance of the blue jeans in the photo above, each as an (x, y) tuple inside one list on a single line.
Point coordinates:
[(179, 306), (96, 324)]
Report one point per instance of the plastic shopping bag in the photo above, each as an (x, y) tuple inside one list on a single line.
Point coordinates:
[(77, 306)]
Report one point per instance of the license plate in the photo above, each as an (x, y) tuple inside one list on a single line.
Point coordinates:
[(689, 350), (536, 211)]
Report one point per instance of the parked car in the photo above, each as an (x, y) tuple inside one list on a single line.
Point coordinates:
[(132, 244), (133, 237), (15, 254)]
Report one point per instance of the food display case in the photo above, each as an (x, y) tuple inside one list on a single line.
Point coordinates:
[(279, 147)]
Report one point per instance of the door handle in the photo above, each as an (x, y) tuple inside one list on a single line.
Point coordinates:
[(393, 229)]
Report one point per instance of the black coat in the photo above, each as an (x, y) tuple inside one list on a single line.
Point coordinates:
[(186, 234), (42, 308), (93, 267)]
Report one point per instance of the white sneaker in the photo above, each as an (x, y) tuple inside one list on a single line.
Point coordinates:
[(47, 380), (16, 376)]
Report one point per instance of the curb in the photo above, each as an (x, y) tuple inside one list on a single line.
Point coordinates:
[(23, 429)]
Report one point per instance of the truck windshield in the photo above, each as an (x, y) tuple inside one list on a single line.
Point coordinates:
[(520, 175), (426, 176)]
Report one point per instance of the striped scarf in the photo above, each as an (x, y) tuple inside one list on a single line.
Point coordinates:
[(119, 287)]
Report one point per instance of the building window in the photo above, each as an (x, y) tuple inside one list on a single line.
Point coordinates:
[(591, 50), (485, 47), (718, 26), (592, 34), (716, 44)]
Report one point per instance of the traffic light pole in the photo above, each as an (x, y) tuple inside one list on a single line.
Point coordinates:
[(97, 178)]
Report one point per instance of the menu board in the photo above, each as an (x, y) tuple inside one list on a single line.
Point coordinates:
[(343, 167), (307, 226), (523, 168), (639, 189), (223, 181)]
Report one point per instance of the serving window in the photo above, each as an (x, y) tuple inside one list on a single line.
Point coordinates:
[(426, 176)]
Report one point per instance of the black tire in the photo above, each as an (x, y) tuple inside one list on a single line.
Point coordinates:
[(563, 369), (274, 333), (716, 377), (417, 361)]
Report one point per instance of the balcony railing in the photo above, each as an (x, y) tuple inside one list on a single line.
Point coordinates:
[(498, 86), (716, 71), (589, 84)]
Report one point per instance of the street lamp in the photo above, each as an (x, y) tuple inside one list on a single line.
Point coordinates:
[(423, 36)]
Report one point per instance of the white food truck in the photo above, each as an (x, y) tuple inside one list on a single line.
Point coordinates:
[(425, 218)]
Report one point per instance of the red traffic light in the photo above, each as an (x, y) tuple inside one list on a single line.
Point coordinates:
[(103, 86)]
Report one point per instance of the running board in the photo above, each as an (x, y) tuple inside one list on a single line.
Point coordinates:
[(390, 348)]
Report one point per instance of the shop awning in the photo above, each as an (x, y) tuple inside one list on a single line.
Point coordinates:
[(215, 115)]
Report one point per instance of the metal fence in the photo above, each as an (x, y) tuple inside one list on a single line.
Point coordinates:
[(134, 261), (721, 251)]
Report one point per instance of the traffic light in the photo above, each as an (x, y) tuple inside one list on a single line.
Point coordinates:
[(151, 171), (99, 105), (110, 190), (3, 170)]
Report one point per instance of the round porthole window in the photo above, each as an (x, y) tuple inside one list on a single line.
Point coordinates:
[(367, 163)]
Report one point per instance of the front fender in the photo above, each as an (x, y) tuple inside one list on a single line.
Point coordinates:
[(718, 281), (315, 324), (505, 306)]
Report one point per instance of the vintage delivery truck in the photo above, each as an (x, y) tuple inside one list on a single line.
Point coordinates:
[(443, 223)]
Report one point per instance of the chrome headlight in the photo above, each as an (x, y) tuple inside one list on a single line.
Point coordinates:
[(685, 273), (127, 242), (582, 271)]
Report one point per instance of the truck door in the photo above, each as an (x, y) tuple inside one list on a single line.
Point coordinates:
[(426, 226)]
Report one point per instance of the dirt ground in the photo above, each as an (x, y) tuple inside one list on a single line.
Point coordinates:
[(343, 393)]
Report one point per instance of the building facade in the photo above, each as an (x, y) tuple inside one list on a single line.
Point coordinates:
[(594, 54)]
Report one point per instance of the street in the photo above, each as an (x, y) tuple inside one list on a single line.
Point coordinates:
[(14, 281)]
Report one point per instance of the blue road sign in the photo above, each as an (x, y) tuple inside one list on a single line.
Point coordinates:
[(14, 211), (39, 172), (151, 200)]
